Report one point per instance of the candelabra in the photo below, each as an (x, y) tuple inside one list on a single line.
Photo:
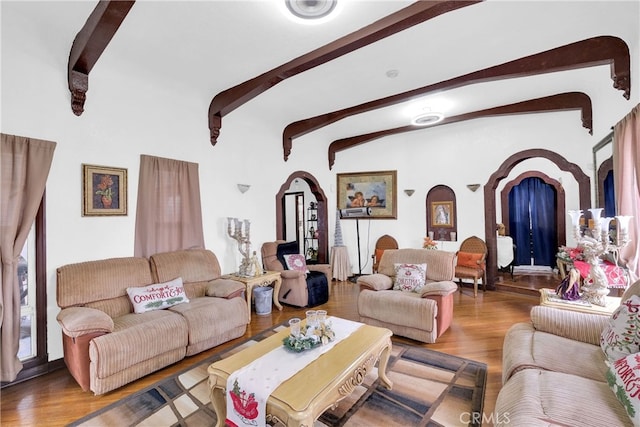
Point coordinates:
[(595, 241), (244, 244)]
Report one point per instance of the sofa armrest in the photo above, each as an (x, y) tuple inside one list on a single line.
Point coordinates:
[(225, 288), (438, 288), (375, 282), (585, 327), (323, 268), (78, 321)]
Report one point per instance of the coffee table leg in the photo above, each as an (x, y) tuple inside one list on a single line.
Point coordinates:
[(219, 405), (382, 366)]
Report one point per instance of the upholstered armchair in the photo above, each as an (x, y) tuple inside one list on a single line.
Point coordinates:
[(382, 244), (471, 262), (299, 287), (423, 313)]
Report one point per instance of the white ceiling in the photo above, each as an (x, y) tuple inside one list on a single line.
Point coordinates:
[(205, 47)]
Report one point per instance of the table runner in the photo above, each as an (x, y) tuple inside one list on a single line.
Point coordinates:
[(249, 388)]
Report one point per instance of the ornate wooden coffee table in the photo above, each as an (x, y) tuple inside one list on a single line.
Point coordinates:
[(320, 385)]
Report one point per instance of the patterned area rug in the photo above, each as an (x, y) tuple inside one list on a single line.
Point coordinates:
[(429, 389)]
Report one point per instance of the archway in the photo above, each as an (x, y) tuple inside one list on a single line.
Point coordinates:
[(584, 195), (321, 199)]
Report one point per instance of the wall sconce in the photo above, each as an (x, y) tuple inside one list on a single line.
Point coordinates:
[(243, 188), (409, 192), (473, 187)]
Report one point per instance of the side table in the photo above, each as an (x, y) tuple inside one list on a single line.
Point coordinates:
[(549, 298), (266, 279), (340, 264)]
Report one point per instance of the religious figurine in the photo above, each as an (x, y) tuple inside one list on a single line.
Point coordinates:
[(569, 288)]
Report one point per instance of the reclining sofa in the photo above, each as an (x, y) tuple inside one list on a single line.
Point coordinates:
[(107, 344)]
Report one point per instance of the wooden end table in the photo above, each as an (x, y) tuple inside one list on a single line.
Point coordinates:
[(549, 298), (330, 378), (266, 279)]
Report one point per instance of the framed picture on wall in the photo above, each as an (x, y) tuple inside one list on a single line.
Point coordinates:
[(377, 190), (104, 191), (442, 214)]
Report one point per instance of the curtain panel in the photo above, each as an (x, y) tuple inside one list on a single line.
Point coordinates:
[(24, 167), (168, 214), (626, 175)]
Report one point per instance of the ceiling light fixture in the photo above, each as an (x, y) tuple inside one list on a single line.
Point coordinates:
[(427, 119), (311, 9)]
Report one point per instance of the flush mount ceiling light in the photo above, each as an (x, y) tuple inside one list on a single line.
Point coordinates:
[(427, 119), (311, 9)]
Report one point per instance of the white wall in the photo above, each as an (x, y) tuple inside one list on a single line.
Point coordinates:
[(127, 115)]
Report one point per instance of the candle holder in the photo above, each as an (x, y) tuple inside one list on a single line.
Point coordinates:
[(244, 244), (595, 241)]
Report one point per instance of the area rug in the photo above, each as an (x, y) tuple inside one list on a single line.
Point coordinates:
[(429, 389)]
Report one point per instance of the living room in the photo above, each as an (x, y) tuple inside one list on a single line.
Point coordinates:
[(152, 99)]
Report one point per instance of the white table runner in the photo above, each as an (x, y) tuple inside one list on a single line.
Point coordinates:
[(249, 387)]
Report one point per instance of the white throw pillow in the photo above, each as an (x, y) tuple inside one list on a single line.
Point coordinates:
[(410, 277), (157, 296), (296, 262), (622, 336), (623, 376)]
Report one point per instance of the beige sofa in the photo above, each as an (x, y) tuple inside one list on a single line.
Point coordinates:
[(422, 316), (554, 371), (107, 345)]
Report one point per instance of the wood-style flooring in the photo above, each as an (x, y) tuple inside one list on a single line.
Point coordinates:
[(477, 333)]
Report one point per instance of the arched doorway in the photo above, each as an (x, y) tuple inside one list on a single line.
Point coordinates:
[(321, 206), (584, 195)]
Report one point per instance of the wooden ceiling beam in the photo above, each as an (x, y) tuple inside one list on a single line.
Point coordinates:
[(559, 102), (89, 44), (585, 53), (228, 100)]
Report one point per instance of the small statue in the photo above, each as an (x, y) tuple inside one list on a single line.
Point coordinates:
[(256, 267), (569, 288)]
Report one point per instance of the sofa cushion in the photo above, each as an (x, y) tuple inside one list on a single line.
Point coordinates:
[(468, 259), (225, 288), (296, 262), (622, 336), (77, 321), (623, 376), (377, 281), (157, 296), (398, 308), (409, 277)]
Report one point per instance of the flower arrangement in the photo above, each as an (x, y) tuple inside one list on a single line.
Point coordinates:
[(429, 243), (566, 253), (310, 337)]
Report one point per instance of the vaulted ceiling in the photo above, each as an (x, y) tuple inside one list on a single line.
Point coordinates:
[(364, 74)]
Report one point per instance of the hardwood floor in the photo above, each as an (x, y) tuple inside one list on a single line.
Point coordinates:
[(477, 333)]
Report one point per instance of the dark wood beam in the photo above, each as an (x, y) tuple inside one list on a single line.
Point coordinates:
[(418, 12), (89, 44), (559, 102), (585, 53)]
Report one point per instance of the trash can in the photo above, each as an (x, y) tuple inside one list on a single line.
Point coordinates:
[(262, 296)]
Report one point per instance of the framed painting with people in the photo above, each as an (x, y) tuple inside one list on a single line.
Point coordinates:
[(376, 190)]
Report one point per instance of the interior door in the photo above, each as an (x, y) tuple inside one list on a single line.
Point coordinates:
[(294, 218)]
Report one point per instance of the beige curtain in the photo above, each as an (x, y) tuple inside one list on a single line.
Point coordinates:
[(169, 216), (24, 167), (626, 176)]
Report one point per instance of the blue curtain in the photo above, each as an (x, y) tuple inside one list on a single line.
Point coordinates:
[(532, 224), (609, 196)]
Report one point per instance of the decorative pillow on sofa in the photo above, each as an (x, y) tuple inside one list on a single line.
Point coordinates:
[(410, 277), (467, 259), (622, 336), (623, 376), (157, 296), (296, 262)]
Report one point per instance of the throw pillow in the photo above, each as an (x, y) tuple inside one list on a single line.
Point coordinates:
[(623, 376), (157, 296), (468, 259), (296, 262), (622, 336), (410, 277), (286, 249)]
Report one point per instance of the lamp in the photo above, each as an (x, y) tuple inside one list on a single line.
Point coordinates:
[(243, 188), (409, 192), (311, 9), (427, 119), (473, 187)]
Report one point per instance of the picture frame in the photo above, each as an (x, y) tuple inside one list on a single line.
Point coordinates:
[(378, 191), (442, 214), (104, 191)]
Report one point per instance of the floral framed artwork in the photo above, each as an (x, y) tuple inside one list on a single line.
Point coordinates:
[(104, 191), (442, 214), (377, 190)]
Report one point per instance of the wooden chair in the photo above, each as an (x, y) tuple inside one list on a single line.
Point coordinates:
[(471, 262), (385, 242)]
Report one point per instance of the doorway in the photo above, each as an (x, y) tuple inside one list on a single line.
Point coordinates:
[(294, 218)]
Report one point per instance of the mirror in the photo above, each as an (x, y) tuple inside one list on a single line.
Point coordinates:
[(294, 217)]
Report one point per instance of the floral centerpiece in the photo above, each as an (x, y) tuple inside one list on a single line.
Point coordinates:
[(429, 243), (310, 337)]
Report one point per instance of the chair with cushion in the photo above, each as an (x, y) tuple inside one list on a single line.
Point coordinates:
[(302, 285), (383, 243), (412, 293), (471, 263)]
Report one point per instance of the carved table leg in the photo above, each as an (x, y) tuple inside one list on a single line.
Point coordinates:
[(382, 366)]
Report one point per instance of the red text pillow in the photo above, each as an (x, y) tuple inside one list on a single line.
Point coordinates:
[(467, 259)]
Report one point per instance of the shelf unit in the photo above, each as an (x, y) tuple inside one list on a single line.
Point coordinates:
[(311, 235)]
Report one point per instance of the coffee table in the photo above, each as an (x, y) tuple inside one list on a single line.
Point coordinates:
[(330, 378)]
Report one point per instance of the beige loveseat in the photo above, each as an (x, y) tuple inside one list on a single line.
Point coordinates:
[(553, 372), (423, 315), (106, 344)]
